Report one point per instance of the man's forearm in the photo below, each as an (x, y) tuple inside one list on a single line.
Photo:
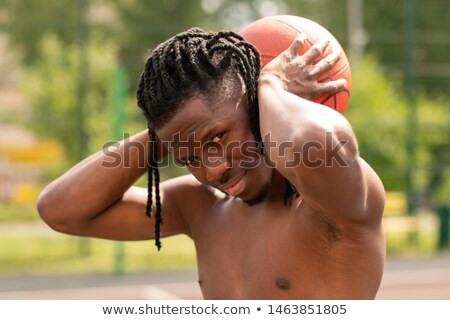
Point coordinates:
[(97, 182)]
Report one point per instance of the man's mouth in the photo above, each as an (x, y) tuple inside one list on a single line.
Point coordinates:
[(236, 186)]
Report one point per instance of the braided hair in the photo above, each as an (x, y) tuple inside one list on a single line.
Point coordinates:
[(193, 62)]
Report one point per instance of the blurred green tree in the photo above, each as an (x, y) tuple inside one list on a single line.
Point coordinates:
[(377, 112), (142, 24), (50, 86), (139, 25), (433, 172), (27, 21)]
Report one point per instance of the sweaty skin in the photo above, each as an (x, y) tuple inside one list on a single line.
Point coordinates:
[(328, 244)]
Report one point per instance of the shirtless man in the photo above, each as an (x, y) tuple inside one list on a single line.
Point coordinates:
[(297, 217)]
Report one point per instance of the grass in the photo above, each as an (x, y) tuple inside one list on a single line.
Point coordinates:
[(55, 253), (25, 254), (403, 244), (60, 254), (17, 213)]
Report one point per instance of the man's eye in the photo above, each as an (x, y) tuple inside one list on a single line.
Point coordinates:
[(217, 137)]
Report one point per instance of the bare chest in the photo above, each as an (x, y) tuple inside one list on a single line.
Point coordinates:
[(281, 255)]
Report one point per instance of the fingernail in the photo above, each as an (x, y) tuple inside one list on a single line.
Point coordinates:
[(301, 38)]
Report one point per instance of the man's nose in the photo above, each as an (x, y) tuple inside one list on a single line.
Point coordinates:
[(215, 169)]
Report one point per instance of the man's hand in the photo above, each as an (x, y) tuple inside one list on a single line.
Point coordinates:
[(298, 74)]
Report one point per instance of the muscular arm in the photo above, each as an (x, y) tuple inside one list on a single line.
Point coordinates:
[(96, 197), (320, 155)]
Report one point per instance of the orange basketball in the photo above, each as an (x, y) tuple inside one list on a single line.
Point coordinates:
[(272, 35)]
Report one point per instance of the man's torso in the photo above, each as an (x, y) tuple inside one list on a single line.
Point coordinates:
[(273, 251)]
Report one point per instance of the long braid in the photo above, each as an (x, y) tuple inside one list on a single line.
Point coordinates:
[(148, 209), (158, 216), (190, 63), (153, 172)]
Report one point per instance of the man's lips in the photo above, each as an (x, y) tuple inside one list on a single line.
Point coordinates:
[(236, 186)]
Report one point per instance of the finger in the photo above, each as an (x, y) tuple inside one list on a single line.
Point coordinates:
[(315, 51), (332, 86), (296, 45), (325, 65)]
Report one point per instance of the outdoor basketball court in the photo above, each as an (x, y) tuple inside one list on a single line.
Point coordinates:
[(404, 279)]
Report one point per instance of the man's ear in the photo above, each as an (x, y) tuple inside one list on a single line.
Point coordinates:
[(243, 102), (163, 147)]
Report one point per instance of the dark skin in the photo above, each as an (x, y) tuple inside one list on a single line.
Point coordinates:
[(328, 244)]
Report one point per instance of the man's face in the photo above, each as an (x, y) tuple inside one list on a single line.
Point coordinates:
[(214, 141)]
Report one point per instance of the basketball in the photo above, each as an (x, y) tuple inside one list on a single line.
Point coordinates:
[(273, 35)]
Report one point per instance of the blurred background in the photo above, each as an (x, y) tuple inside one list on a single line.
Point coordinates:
[(68, 75)]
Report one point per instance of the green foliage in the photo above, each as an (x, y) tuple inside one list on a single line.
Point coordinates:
[(377, 109), (51, 86), (433, 172), (146, 23), (27, 21), (377, 112)]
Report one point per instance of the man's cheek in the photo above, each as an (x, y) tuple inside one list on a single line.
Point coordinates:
[(249, 155)]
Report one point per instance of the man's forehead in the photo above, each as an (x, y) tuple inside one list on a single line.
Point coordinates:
[(181, 144), (180, 138), (186, 120), (199, 117)]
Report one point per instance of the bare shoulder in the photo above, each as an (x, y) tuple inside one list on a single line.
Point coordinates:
[(187, 188), (190, 198)]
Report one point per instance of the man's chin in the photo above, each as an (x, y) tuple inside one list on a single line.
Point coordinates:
[(261, 196), (258, 198)]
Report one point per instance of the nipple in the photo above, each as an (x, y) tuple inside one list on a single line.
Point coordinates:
[(282, 283)]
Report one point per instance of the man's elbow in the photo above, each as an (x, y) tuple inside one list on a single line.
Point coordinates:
[(49, 210)]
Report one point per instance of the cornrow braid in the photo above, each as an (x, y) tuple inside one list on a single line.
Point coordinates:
[(190, 63), (153, 168)]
